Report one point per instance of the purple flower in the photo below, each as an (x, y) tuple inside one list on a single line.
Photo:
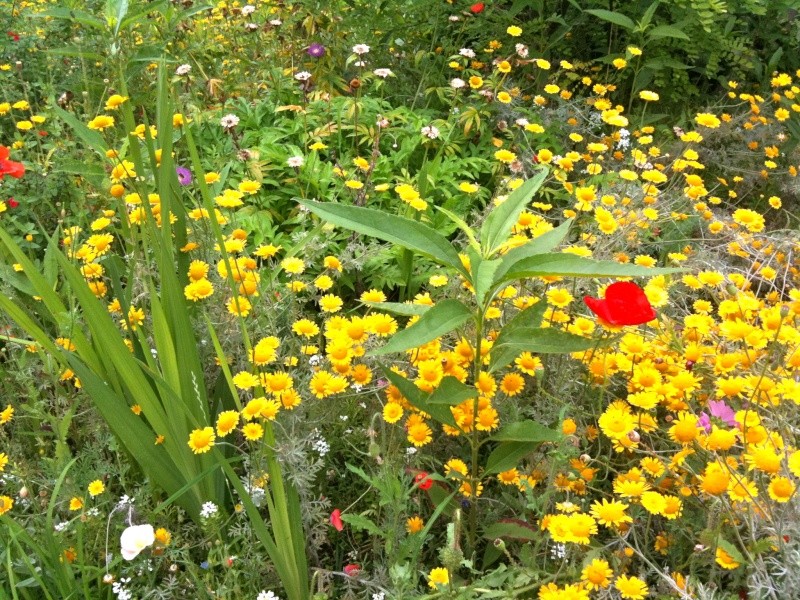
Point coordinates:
[(723, 412), (184, 175), (316, 50)]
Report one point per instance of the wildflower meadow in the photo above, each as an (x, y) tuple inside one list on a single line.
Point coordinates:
[(399, 299)]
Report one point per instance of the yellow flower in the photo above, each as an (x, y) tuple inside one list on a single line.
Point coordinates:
[(253, 432), (75, 503), (227, 422), (505, 156), (392, 412), (330, 303), (293, 265), (24, 125), (115, 101), (6, 504), (620, 63), (631, 588), (648, 96), (707, 120), (610, 513), (725, 560), (96, 488), (438, 576), (514, 31), (781, 489), (198, 290), (201, 440), (597, 574), (414, 524)]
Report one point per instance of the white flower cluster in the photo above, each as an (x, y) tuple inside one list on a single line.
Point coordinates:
[(208, 510)]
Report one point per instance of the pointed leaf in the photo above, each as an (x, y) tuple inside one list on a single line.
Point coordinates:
[(419, 399), (507, 456), (451, 392), (498, 224), (90, 137), (612, 17), (389, 228), (570, 265), (667, 31), (462, 225), (546, 242), (442, 318), (526, 431), (511, 528), (541, 340), (400, 308)]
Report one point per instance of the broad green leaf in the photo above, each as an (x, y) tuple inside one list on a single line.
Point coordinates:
[(647, 17), (612, 17), (362, 523), (502, 218), (570, 265), (451, 392), (539, 245), (517, 530), (667, 31), (508, 455), (389, 228), (419, 399), (115, 11), (441, 318), (70, 14), (483, 276), (541, 340), (462, 225), (76, 52), (400, 308), (526, 431)]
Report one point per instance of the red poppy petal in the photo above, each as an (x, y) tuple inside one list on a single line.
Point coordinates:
[(628, 304), (336, 520), (599, 307)]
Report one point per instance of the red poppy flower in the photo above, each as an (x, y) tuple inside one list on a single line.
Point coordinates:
[(13, 35), (351, 570), (336, 520), (12, 203), (423, 481), (477, 8), (625, 304), (9, 167)]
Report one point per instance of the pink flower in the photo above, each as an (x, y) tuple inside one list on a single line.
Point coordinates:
[(336, 520), (352, 570)]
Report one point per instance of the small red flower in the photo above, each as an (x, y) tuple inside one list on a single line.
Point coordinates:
[(423, 481), (12, 203), (336, 520), (351, 570), (477, 8), (625, 304), (13, 35)]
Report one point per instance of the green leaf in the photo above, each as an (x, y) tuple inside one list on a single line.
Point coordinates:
[(667, 31), (483, 276), (541, 340), (451, 392), (419, 399), (462, 225), (570, 265), (502, 218), (517, 530), (612, 17), (540, 245), (389, 228), (507, 456), (441, 318), (647, 16), (362, 523), (400, 308), (526, 431), (77, 16)]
